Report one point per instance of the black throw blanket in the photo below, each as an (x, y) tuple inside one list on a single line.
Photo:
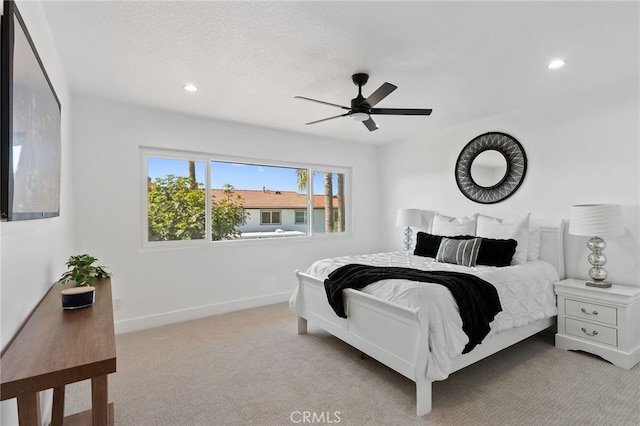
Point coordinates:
[(478, 300)]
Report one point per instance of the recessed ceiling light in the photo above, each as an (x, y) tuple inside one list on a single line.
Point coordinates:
[(190, 88), (556, 63)]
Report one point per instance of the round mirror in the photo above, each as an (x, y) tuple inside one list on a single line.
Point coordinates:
[(489, 168)]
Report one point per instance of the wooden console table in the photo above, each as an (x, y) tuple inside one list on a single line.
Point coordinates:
[(56, 347)]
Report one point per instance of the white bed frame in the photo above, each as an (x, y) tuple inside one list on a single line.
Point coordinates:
[(390, 333)]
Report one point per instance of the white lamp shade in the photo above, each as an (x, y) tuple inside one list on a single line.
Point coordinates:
[(409, 217), (596, 220)]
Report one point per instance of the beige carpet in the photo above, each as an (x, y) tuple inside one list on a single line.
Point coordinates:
[(251, 368)]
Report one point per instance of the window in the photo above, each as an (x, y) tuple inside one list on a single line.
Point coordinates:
[(270, 217), (329, 207), (176, 207), (200, 197), (300, 217)]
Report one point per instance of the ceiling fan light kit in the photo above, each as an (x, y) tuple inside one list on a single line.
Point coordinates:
[(360, 116), (362, 108)]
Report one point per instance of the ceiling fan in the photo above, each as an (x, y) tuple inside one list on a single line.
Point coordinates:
[(362, 108)]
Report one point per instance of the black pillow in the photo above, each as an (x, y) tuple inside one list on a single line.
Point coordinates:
[(493, 252), (496, 252), (427, 245)]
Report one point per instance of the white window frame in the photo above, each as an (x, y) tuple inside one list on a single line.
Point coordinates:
[(271, 212), (154, 152)]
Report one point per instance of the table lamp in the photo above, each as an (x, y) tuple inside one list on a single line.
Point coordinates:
[(408, 218), (595, 220)]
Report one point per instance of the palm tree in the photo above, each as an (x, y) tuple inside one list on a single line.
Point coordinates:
[(302, 181), (328, 202), (341, 218), (301, 177), (193, 184)]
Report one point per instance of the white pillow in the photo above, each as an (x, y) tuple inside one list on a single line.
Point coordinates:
[(535, 231), (517, 229), (451, 226)]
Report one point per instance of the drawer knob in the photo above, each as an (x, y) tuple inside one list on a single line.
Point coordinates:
[(584, 311), (594, 333)]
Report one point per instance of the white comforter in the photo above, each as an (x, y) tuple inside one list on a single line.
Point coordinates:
[(526, 295)]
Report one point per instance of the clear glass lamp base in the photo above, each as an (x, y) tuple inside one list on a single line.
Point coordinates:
[(597, 259), (408, 241)]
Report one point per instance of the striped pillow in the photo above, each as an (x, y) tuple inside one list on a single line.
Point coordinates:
[(458, 252)]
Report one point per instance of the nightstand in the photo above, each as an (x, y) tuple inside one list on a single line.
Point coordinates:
[(601, 321)]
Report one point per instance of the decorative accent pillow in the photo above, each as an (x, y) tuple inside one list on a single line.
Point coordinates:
[(495, 252), (450, 226), (427, 245), (517, 229), (458, 252)]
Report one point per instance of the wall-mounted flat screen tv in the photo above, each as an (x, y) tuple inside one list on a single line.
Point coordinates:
[(30, 127)]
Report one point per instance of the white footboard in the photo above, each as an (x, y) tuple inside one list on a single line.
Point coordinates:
[(385, 331)]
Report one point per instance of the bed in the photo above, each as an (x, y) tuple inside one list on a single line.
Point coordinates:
[(389, 322)]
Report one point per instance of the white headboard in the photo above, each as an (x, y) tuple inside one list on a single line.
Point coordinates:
[(552, 247)]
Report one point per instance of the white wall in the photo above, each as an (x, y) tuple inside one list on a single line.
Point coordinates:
[(161, 286), (33, 253), (583, 149)]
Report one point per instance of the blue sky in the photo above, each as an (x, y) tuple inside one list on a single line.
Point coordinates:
[(241, 176)]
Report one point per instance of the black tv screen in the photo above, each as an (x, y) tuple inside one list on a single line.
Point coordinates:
[(30, 127)]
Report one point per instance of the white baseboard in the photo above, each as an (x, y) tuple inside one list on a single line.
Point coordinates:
[(142, 323)]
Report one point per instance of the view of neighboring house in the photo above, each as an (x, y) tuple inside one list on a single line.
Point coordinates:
[(280, 213)]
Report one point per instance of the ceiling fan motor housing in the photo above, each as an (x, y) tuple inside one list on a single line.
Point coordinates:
[(358, 104)]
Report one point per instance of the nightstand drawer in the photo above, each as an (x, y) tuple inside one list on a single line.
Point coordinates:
[(591, 312), (593, 332)]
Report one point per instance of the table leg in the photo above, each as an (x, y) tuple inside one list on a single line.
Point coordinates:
[(57, 411), (100, 400), (28, 409)]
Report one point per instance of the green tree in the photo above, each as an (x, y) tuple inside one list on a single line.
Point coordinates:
[(176, 211), (301, 177), (227, 214)]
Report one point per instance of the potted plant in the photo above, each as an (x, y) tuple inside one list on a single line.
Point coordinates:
[(84, 273)]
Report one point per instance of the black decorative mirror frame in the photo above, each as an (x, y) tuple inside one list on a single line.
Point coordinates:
[(516, 161)]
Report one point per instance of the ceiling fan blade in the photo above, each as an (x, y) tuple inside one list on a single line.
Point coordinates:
[(321, 102), (370, 124), (400, 111), (329, 118), (382, 92)]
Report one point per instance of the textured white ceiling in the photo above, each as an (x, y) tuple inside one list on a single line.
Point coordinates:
[(466, 60)]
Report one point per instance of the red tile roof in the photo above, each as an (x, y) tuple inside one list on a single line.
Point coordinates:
[(266, 199)]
